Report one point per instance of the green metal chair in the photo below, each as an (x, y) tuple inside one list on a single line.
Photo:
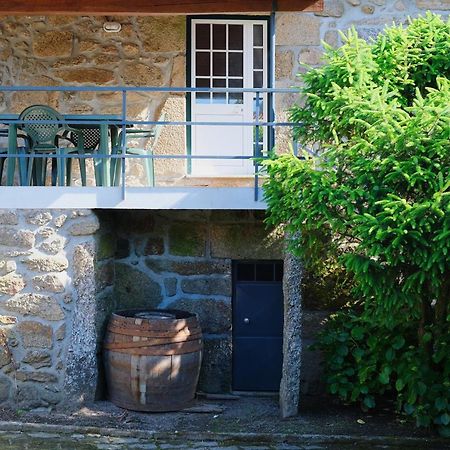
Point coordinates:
[(148, 162), (45, 139), (21, 149)]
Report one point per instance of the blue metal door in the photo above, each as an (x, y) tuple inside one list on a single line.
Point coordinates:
[(257, 326)]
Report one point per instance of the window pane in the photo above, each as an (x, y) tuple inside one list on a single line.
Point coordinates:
[(232, 83), (202, 97), (202, 64), (264, 272), (258, 58), (219, 97), (219, 83), (235, 37), (257, 35), (257, 79), (235, 99), (219, 64), (202, 35), (245, 272), (219, 37), (235, 64)]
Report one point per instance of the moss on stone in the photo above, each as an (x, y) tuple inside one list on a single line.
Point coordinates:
[(106, 246), (187, 239)]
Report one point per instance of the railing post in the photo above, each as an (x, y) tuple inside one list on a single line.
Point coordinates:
[(256, 150), (123, 143)]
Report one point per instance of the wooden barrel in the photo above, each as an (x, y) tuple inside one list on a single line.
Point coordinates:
[(152, 359)]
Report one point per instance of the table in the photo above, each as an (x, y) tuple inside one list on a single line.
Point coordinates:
[(109, 126)]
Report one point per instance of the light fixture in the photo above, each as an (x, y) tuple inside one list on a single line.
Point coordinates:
[(112, 27)]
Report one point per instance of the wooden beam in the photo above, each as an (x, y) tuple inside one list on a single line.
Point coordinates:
[(152, 7)]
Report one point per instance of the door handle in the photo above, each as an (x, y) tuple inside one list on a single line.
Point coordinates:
[(246, 320)]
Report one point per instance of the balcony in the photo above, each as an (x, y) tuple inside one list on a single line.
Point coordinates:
[(202, 156)]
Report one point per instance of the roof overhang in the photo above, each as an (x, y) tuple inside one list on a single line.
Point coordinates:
[(152, 7)]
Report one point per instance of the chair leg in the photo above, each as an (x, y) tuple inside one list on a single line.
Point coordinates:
[(149, 168), (60, 165), (54, 171), (69, 172), (82, 163), (2, 165), (30, 168), (37, 172)]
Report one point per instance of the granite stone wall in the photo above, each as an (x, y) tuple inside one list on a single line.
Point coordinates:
[(47, 307)]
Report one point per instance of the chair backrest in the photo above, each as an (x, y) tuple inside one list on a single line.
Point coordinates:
[(42, 134), (91, 136)]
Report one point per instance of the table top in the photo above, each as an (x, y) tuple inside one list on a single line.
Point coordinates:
[(6, 118)]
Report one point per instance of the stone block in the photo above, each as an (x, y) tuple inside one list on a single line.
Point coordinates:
[(39, 218), (11, 237), (37, 359), (35, 305), (439, 5), (60, 333), (284, 64), (332, 8), (8, 320), (331, 38), (5, 388), (38, 377), (85, 227), (29, 395), (8, 217), (105, 275), (106, 246), (163, 33), (297, 29), (310, 56), (35, 334), (46, 263), (142, 75), (178, 76), (85, 75), (53, 245), (216, 372), (5, 352), (49, 282), (154, 246), (170, 285), (7, 267), (214, 315), (134, 289), (60, 220), (207, 286), (53, 44), (243, 241), (180, 267), (187, 239), (12, 283)]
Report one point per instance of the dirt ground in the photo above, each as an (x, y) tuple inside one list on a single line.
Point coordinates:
[(242, 415)]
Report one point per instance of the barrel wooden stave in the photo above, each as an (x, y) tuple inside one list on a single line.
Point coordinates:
[(160, 376)]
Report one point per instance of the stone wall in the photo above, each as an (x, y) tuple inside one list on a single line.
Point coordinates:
[(183, 260), (47, 307)]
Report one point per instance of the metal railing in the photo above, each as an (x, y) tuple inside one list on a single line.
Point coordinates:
[(123, 123)]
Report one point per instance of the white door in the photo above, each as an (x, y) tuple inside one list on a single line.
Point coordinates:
[(228, 54)]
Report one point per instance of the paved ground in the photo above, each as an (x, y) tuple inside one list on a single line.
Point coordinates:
[(244, 424)]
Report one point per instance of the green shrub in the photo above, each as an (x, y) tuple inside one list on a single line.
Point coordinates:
[(378, 115)]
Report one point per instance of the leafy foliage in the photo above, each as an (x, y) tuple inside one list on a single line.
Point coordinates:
[(379, 116)]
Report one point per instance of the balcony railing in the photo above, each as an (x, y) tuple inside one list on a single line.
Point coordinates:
[(111, 156)]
